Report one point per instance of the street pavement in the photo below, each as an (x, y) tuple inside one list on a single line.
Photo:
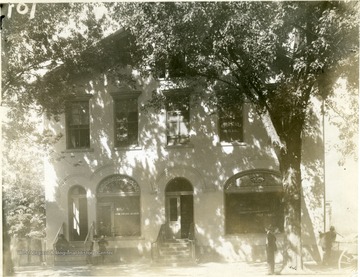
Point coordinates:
[(199, 270)]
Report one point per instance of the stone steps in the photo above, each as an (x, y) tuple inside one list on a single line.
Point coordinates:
[(174, 252), (78, 254)]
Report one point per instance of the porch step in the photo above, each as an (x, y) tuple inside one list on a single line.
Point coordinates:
[(78, 254), (174, 251)]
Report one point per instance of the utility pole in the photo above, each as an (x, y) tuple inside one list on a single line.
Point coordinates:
[(324, 162)]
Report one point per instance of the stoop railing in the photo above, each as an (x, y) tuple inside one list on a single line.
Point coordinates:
[(60, 231), (90, 233), (174, 251), (155, 252)]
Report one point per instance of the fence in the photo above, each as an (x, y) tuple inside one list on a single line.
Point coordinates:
[(25, 251)]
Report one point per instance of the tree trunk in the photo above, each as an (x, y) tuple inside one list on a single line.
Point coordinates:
[(290, 161)]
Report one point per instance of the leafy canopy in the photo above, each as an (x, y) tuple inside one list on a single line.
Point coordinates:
[(277, 54)]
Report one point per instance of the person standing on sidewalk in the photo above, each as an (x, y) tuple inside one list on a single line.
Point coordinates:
[(95, 250), (102, 248), (271, 248), (327, 240)]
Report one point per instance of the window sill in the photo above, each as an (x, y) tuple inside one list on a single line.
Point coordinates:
[(188, 145), (229, 236), (124, 238), (78, 150), (244, 234), (231, 144), (128, 148)]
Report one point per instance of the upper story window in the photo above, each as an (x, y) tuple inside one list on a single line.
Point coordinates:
[(231, 121), (172, 67), (177, 118), (77, 124), (126, 119)]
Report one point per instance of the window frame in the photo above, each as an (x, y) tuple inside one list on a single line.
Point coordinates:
[(80, 194), (116, 198), (172, 66), (260, 181), (125, 96), (68, 117), (221, 133), (269, 214), (181, 114)]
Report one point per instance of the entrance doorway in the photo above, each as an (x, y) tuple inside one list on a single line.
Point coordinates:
[(78, 218), (179, 208)]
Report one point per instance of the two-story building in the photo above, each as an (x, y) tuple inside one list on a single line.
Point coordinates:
[(203, 176)]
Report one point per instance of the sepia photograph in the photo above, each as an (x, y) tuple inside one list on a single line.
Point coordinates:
[(179, 138)]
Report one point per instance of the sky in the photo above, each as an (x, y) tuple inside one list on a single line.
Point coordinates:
[(341, 180)]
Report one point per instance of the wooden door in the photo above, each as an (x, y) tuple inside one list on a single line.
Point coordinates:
[(174, 217)]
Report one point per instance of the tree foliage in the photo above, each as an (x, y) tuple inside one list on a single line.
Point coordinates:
[(247, 46), (30, 47), (342, 112), (58, 34), (23, 191)]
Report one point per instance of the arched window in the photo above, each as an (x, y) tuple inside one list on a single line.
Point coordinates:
[(118, 207), (179, 184), (78, 218), (253, 201)]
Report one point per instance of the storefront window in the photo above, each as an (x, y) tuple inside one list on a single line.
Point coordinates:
[(253, 201), (118, 207), (253, 212)]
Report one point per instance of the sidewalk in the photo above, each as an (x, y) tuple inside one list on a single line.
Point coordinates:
[(147, 269)]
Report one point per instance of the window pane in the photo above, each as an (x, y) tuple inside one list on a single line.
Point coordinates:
[(127, 226), (160, 66), (79, 113), (79, 138), (184, 140), (125, 214), (84, 138), (173, 209), (178, 125), (78, 129), (253, 212), (184, 127), (173, 129), (230, 124), (177, 65), (104, 220), (126, 122)]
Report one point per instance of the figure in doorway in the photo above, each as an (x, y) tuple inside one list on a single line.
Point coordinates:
[(271, 248), (326, 241)]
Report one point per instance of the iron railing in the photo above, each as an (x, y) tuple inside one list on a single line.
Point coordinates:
[(155, 246), (60, 230), (89, 233)]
